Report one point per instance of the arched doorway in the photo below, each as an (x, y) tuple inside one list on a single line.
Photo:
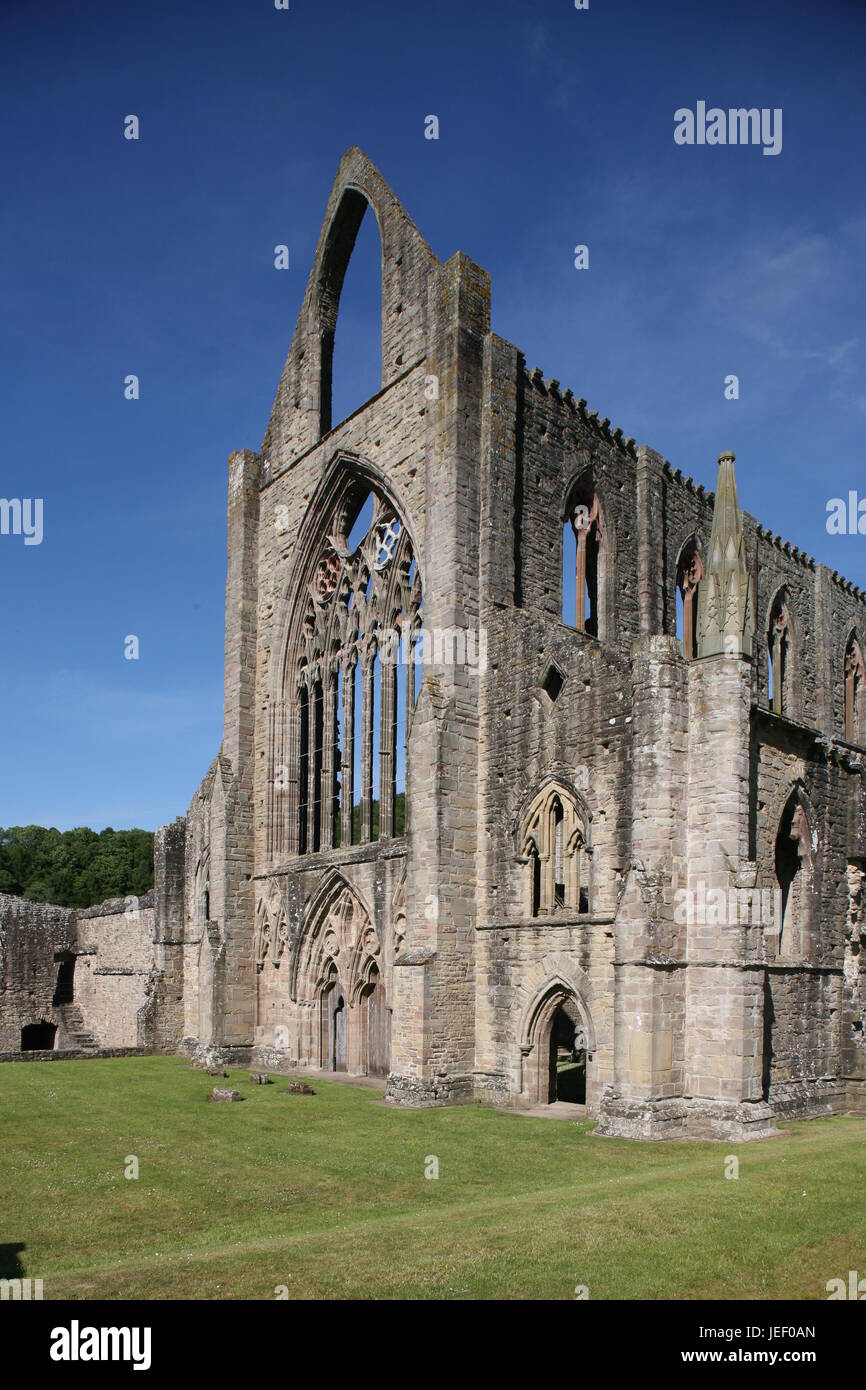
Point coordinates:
[(377, 1026), (557, 1046), (339, 1057), (38, 1037), (338, 971), (567, 1056), (334, 1024)]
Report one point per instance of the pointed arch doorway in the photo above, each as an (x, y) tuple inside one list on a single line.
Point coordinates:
[(566, 1060), (558, 1046)]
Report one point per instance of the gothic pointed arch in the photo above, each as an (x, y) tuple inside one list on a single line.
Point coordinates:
[(854, 689), (555, 850), (337, 977), (271, 931), (302, 411), (346, 637), (689, 573), (794, 848), (337, 928), (560, 993), (782, 654), (584, 510), (201, 901)]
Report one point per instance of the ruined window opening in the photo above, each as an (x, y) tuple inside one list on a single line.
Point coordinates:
[(64, 989), (779, 646), (358, 684), (535, 871), (854, 671), (558, 870), (793, 864), (402, 682), (552, 683), (317, 723), (569, 555), (587, 546), (350, 309), (374, 747), (689, 574), (303, 767), (338, 761)]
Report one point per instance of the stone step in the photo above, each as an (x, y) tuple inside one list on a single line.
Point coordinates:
[(76, 1029)]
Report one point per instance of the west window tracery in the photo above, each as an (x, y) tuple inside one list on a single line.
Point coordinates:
[(357, 644)]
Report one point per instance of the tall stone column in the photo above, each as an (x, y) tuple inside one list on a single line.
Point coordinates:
[(433, 1042), (237, 1025), (160, 1019), (650, 523), (645, 1100)]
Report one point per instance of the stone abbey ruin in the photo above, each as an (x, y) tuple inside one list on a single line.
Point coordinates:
[(449, 838)]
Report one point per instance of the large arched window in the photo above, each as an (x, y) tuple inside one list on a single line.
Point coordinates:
[(780, 656), (352, 651), (555, 853), (690, 572), (586, 547), (356, 366), (358, 357), (854, 674)]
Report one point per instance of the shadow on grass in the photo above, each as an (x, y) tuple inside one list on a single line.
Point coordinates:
[(10, 1261)]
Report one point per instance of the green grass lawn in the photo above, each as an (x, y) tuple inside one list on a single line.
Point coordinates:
[(327, 1195)]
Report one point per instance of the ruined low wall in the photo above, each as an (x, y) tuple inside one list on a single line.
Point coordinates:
[(109, 953), (115, 941), (30, 936)]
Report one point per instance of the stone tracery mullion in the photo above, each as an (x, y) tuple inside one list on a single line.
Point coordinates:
[(387, 745), (347, 778), (329, 699), (367, 746)]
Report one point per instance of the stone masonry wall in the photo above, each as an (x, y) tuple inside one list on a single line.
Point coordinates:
[(112, 947)]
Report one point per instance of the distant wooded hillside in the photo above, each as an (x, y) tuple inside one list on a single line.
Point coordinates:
[(75, 868)]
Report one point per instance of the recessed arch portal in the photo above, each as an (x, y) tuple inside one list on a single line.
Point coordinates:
[(337, 977), (557, 1044)]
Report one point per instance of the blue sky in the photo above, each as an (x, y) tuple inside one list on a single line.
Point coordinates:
[(155, 257)]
